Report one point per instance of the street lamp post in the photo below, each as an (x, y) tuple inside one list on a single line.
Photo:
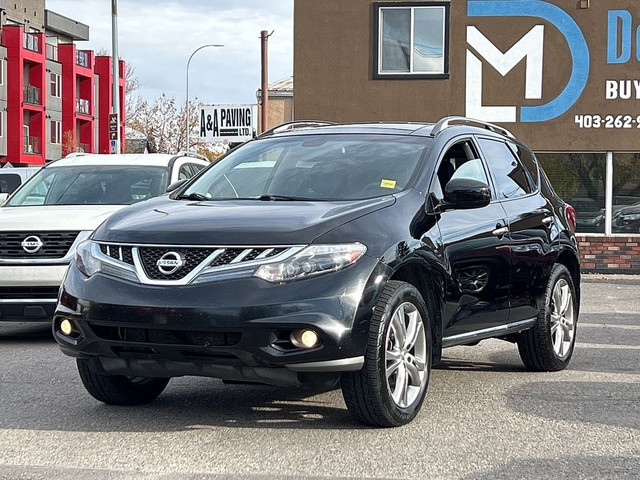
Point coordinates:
[(187, 101)]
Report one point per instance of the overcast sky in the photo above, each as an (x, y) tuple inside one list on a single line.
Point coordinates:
[(157, 37)]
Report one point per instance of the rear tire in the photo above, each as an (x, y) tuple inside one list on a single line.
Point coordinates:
[(389, 389), (118, 389), (548, 345)]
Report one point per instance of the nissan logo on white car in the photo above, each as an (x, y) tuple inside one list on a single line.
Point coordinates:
[(32, 244), (170, 263)]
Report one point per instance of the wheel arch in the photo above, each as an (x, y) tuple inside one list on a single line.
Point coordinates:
[(570, 260), (430, 286)]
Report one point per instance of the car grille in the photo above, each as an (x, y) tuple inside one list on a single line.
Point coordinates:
[(167, 337), (122, 253), (239, 255), (25, 293), (55, 244), (192, 258)]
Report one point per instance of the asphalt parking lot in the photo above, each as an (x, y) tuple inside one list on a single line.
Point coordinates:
[(485, 416)]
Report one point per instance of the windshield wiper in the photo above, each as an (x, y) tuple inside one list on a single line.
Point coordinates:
[(194, 196), (275, 198)]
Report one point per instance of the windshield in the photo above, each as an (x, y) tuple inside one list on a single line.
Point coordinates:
[(312, 167), (92, 185)]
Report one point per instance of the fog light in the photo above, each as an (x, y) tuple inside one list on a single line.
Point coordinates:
[(66, 327), (305, 338)]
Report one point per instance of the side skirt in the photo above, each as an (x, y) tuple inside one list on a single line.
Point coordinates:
[(499, 331)]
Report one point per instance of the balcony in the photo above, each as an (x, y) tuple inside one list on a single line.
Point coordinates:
[(32, 95), (32, 145), (31, 42), (82, 106), (52, 52), (82, 58)]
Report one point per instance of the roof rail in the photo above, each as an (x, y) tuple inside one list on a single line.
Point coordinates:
[(447, 121), (184, 153), (285, 127)]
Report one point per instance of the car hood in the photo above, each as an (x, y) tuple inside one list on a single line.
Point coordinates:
[(43, 218), (630, 210), (250, 222)]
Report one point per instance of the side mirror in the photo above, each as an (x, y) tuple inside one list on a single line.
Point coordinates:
[(3, 197), (466, 193), (176, 185)]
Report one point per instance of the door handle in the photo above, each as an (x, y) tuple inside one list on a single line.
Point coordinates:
[(547, 220), (501, 231)]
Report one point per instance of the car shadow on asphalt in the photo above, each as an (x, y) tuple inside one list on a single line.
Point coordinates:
[(614, 404), (567, 467), (188, 404), (25, 332)]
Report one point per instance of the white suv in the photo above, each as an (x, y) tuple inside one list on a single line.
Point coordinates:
[(57, 208)]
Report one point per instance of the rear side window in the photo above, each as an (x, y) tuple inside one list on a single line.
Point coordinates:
[(528, 161), (9, 182), (510, 178)]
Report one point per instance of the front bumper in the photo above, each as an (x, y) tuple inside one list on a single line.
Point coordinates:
[(232, 329), (28, 293)]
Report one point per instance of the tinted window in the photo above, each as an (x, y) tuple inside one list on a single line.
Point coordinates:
[(510, 178), (185, 172), (9, 182), (314, 167), (529, 163), (460, 161), (82, 185)]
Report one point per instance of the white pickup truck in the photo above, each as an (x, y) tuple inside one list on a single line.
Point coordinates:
[(58, 207)]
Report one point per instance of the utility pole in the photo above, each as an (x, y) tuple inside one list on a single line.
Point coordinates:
[(264, 38), (116, 74)]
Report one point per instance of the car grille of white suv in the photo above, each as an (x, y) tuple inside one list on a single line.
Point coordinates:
[(53, 244)]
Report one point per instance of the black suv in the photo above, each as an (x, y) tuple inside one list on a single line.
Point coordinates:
[(331, 252)]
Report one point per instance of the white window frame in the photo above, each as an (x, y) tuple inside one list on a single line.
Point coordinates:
[(1, 71), (56, 132), (1, 123), (55, 85), (380, 8)]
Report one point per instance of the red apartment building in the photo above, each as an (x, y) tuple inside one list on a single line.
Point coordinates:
[(54, 98)]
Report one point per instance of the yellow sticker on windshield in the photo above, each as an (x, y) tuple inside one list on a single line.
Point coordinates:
[(388, 184)]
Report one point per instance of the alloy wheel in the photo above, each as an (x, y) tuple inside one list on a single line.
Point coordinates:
[(562, 318), (406, 355)]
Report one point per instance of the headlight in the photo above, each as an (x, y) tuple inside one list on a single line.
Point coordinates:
[(632, 217), (86, 262), (313, 260)]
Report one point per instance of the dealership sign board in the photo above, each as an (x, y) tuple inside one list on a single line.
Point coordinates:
[(563, 75), (574, 71), (233, 123)]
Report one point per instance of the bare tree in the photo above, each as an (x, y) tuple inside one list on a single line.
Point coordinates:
[(162, 122)]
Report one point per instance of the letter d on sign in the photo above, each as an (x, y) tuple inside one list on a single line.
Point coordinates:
[(612, 37)]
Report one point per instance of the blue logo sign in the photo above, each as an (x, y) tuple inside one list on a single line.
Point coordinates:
[(566, 26)]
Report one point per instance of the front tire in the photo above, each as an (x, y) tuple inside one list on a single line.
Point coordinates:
[(118, 389), (390, 388), (548, 345)]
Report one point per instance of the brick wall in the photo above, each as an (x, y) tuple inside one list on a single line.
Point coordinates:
[(615, 254)]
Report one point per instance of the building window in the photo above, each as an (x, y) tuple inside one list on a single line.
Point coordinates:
[(411, 40), (56, 132), (56, 85), (1, 72), (579, 179), (626, 193), (1, 124)]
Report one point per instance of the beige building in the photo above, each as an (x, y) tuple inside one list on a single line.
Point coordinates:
[(280, 102)]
